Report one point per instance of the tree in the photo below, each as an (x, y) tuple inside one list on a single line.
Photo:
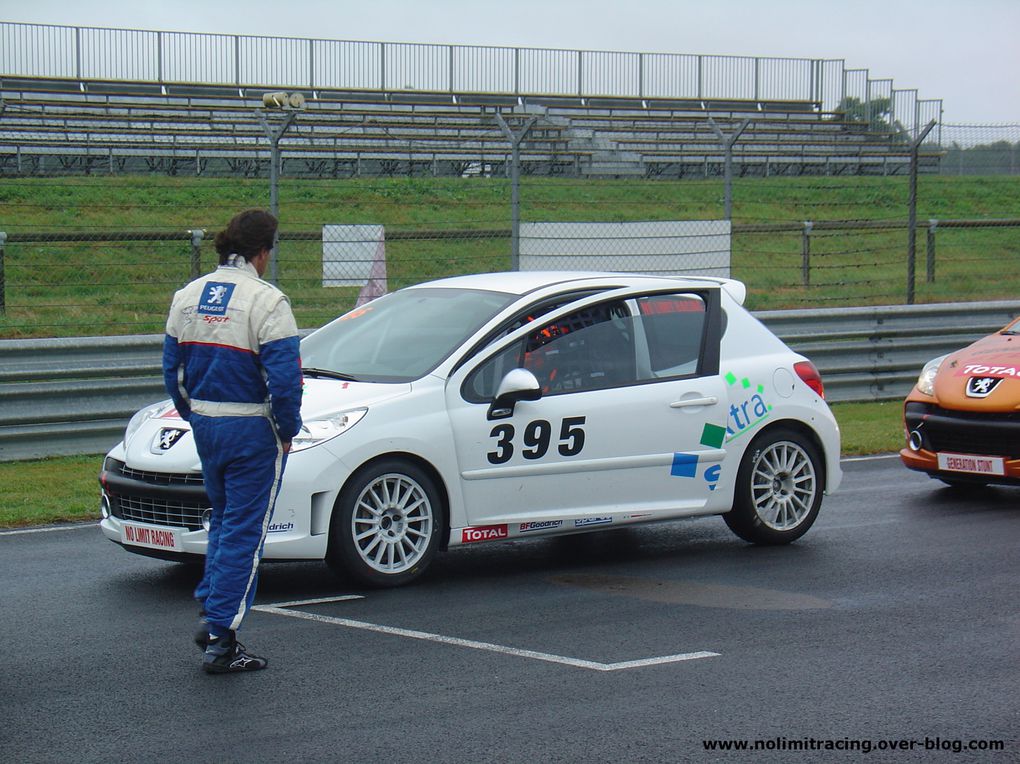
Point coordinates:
[(876, 113), (996, 158)]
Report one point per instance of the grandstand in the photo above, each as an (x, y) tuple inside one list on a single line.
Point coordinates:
[(648, 117)]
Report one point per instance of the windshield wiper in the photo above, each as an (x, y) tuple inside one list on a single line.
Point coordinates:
[(329, 374)]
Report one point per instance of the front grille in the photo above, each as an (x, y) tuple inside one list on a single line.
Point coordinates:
[(159, 498), (977, 417), (143, 509), (966, 443), (966, 432), (163, 478)]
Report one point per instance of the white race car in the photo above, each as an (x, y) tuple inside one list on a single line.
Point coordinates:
[(510, 405)]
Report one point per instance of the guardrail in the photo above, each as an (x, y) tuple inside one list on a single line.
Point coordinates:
[(75, 395), (875, 353)]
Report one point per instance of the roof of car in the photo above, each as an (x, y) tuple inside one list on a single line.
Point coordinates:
[(522, 282)]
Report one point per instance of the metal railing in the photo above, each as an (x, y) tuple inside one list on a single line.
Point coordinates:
[(109, 281), (94, 53), (69, 396)]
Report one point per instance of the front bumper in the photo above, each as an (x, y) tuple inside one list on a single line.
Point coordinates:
[(937, 430), (146, 509)]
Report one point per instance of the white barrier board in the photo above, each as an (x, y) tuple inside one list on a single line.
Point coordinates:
[(348, 253), (667, 248)]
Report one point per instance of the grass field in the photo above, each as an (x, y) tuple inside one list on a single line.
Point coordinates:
[(72, 490), (72, 281)]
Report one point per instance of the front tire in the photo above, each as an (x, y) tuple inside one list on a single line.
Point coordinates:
[(778, 490), (387, 524)]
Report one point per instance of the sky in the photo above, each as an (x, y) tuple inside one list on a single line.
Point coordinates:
[(962, 51)]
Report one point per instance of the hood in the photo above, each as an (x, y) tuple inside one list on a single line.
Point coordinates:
[(164, 442), (984, 376), (324, 397)]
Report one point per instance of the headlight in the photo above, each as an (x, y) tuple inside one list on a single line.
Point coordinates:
[(319, 431), (143, 416), (926, 381)]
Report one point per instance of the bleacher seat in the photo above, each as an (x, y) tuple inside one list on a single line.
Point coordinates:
[(66, 126)]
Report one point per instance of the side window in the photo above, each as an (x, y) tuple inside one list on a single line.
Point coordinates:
[(589, 349), (611, 344), (673, 327)]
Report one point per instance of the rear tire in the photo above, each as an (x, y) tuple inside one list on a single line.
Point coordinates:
[(778, 490), (387, 524)]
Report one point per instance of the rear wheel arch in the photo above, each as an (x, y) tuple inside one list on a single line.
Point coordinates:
[(805, 431), (779, 485)]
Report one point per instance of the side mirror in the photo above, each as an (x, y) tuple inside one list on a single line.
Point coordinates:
[(517, 385)]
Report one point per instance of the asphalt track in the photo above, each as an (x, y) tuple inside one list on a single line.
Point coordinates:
[(893, 624)]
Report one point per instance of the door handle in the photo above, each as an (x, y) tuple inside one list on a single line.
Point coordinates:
[(709, 401)]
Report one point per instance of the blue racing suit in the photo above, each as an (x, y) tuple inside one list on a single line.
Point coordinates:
[(231, 364)]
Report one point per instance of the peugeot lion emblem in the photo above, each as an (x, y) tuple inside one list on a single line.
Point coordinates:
[(166, 438), (981, 387)]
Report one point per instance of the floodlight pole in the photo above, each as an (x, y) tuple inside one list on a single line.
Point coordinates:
[(515, 183), (915, 145), (274, 133), (727, 141)]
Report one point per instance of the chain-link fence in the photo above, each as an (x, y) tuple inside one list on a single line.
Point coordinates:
[(68, 284), (91, 256), (980, 150)]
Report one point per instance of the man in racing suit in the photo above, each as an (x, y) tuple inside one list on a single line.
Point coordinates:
[(231, 364)]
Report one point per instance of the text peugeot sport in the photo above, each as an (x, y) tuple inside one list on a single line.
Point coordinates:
[(509, 405)]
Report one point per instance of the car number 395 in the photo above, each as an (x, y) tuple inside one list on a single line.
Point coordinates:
[(537, 438)]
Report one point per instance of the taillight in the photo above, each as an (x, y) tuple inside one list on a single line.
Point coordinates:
[(810, 376)]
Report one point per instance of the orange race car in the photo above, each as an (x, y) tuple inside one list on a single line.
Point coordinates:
[(962, 419)]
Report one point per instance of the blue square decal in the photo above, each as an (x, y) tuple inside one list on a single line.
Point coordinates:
[(215, 297), (684, 465)]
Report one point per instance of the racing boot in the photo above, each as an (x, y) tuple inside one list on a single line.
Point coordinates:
[(202, 631), (225, 655)]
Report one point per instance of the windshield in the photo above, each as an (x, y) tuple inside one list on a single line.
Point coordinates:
[(1013, 328), (399, 337)]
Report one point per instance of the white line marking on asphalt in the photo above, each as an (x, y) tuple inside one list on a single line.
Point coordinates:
[(48, 529), (280, 609), (320, 601), (875, 457)]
